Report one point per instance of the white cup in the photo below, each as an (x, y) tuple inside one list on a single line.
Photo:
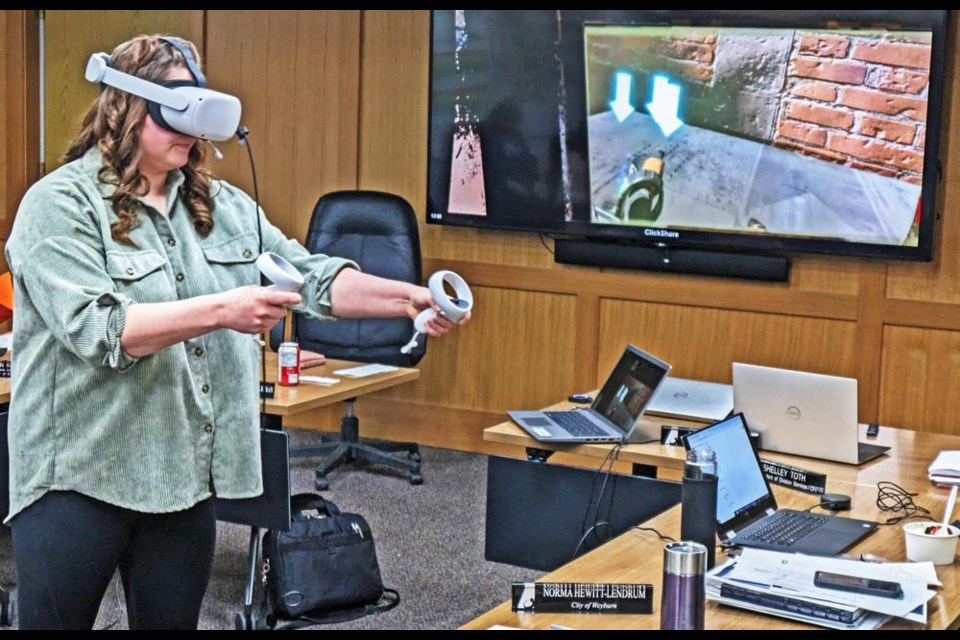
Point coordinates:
[(938, 548)]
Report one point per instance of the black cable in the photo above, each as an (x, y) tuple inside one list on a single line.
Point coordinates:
[(243, 135), (610, 458), (893, 498), (651, 529), (545, 245)]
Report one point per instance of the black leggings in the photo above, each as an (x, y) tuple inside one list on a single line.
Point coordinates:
[(67, 547)]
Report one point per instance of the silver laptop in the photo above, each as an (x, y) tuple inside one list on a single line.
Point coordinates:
[(615, 411), (801, 413), (692, 400)]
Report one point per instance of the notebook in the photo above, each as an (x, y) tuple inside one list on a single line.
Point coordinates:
[(692, 400), (801, 413), (615, 411), (747, 512)]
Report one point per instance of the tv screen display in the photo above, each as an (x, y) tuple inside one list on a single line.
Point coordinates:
[(740, 130)]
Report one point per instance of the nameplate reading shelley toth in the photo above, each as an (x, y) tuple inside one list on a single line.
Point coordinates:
[(582, 597), (794, 477)]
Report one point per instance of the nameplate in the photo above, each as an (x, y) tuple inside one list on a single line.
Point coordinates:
[(672, 434), (794, 478), (582, 597), (267, 389)]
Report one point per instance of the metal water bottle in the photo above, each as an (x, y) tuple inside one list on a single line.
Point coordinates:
[(683, 601), (698, 516)]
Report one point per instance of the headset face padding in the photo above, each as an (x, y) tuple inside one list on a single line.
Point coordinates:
[(156, 109)]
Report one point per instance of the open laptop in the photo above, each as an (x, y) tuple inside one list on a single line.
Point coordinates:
[(801, 413), (747, 513), (613, 414), (692, 400)]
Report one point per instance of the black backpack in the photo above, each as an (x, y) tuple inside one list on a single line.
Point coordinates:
[(324, 569)]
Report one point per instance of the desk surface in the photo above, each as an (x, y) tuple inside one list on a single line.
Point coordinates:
[(305, 396), (4, 390), (637, 556)]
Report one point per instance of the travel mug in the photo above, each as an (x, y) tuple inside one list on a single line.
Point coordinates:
[(684, 596), (698, 515)]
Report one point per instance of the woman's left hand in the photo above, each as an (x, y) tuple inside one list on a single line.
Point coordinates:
[(438, 325)]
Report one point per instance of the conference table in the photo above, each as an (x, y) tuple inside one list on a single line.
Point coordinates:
[(637, 556)]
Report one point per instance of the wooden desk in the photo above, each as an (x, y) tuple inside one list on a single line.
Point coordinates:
[(305, 396), (637, 556)]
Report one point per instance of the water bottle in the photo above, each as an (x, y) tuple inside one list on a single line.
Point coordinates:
[(698, 515), (683, 601)]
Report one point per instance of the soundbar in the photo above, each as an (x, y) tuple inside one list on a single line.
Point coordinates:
[(599, 253)]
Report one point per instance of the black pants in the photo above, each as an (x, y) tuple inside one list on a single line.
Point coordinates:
[(68, 546)]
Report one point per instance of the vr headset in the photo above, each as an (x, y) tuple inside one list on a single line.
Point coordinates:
[(182, 106)]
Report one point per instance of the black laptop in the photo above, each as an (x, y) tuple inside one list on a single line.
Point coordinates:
[(616, 410), (747, 513)]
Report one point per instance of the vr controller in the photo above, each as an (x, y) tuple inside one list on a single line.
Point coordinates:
[(453, 308), (280, 272)]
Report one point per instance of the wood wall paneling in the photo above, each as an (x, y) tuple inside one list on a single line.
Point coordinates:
[(920, 379), (939, 281), (517, 352), (297, 75), (69, 39), (19, 106), (703, 343)]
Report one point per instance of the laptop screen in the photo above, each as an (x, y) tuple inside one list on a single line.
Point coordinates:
[(629, 387), (742, 489)]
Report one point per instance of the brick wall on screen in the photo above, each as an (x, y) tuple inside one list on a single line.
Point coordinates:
[(858, 101)]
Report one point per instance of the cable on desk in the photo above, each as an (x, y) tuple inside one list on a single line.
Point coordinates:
[(893, 498), (654, 531)]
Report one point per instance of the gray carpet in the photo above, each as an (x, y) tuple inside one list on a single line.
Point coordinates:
[(429, 544)]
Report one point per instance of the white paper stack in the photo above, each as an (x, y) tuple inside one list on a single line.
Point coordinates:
[(365, 370), (945, 469), (781, 584)]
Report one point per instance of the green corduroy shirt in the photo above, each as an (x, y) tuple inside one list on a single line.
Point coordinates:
[(157, 433)]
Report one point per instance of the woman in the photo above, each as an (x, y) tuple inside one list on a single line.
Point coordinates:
[(135, 388)]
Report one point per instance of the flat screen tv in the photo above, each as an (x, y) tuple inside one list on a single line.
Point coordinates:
[(745, 133)]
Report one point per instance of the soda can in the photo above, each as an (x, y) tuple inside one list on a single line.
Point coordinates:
[(288, 364)]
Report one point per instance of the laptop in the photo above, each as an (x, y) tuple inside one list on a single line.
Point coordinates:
[(747, 513), (614, 412), (801, 413), (695, 400)]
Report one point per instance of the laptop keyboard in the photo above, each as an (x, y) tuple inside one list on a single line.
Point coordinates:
[(784, 528), (576, 423)]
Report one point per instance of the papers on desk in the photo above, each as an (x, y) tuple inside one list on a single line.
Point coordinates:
[(365, 370), (321, 380), (945, 469), (781, 584)]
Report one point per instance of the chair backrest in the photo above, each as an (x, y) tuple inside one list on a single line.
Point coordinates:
[(379, 232)]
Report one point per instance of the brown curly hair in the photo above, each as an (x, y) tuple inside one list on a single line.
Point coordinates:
[(113, 123)]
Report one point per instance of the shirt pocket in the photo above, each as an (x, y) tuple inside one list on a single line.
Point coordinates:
[(232, 261), (140, 275)]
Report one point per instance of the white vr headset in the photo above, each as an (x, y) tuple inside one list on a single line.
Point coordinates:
[(187, 107)]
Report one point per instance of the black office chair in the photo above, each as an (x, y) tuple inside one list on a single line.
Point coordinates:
[(379, 232)]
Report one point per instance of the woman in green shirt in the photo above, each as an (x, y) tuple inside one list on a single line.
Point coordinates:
[(135, 382)]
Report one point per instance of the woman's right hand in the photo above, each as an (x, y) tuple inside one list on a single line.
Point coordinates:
[(253, 309)]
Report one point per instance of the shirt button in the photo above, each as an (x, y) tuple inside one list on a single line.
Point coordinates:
[(208, 428), (129, 271), (205, 388), (172, 242), (198, 351), (247, 253), (180, 277)]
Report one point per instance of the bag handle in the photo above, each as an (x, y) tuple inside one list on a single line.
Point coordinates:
[(307, 501)]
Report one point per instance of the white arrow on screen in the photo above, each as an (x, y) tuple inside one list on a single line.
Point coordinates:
[(622, 86), (665, 105)]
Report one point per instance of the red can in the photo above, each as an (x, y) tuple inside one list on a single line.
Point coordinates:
[(288, 364)]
